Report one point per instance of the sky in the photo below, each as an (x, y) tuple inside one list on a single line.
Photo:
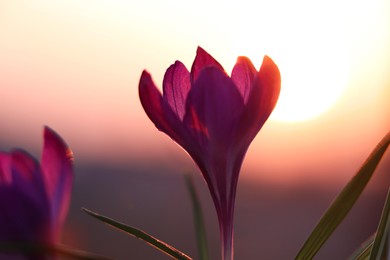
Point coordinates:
[(75, 66)]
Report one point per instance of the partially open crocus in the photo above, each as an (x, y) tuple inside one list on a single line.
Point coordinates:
[(214, 117), (34, 197)]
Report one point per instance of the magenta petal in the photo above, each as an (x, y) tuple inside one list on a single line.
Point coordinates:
[(217, 105), (26, 177), (24, 207), (262, 100), (153, 102), (158, 110), (243, 75), (265, 91), (5, 172), (57, 168), (214, 109), (176, 85), (202, 60)]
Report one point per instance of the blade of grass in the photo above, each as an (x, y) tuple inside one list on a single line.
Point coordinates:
[(162, 246), (78, 254), (23, 248), (363, 253), (198, 220), (343, 203), (379, 247)]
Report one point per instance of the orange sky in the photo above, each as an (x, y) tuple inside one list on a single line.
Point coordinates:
[(75, 66)]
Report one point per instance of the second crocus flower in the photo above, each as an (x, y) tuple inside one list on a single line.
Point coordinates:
[(35, 197)]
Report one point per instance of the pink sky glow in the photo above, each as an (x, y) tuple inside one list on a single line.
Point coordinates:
[(75, 67)]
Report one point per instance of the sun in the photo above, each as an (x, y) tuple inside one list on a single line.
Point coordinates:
[(312, 55), (311, 84), (314, 76), (312, 80)]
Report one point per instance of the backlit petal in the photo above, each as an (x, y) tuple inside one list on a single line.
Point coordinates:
[(243, 75), (57, 168), (176, 85), (25, 214), (5, 169), (214, 107), (262, 100), (202, 60), (158, 110)]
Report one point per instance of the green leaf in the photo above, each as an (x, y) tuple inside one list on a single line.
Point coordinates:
[(343, 203), (198, 220), (379, 248), (162, 246), (78, 254), (363, 253), (30, 248)]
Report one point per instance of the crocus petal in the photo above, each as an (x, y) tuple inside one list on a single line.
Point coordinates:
[(262, 100), (243, 75), (176, 85), (158, 110), (57, 168), (23, 203), (5, 173), (202, 60), (153, 103), (25, 171), (215, 107)]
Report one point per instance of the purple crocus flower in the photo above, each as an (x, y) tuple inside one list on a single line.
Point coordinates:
[(214, 117), (34, 198)]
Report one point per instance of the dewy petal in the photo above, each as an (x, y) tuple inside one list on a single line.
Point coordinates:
[(202, 60), (57, 168), (176, 85), (243, 75), (158, 110)]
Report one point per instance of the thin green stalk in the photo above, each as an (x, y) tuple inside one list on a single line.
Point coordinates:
[(162, 246), (198, 220)]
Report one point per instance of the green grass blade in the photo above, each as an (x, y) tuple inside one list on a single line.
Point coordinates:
[(23, 248), (363, 253), (198, 220), (379, 248), (343, 203), (162, 246), (78, 254)]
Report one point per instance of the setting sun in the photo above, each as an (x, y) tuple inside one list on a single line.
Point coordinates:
[(310, 50), (311, 81), (311, 84)]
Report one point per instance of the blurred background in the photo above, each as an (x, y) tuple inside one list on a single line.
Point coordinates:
[(75, 66)]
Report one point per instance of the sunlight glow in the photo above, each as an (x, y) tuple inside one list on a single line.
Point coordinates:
[(75, 66), (310, 50), (311, 84)]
